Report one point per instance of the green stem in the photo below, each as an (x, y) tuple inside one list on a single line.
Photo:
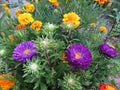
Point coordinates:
[(47, 57), (69, 37)]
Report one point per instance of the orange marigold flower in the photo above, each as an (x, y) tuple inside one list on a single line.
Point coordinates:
[(20, 26), (4, 83), (64, 58), (107, 87), (18, 12), (103, 29), (25, 18), (36, 25), (71, 17), (93, 24), (30, 7), (54, 2), (102, 1), (11, 37)]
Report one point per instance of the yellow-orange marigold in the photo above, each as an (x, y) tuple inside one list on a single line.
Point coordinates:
[(20, 26), (7, 9), (71, 17), (25, 18), (2, 76), (93, 24), (103, 29), (54, 2), (30, 7), (36, 25), (18, 12), (64, 58), (11, 37)]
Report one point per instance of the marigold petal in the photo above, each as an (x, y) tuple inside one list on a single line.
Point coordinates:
[(71, 17)]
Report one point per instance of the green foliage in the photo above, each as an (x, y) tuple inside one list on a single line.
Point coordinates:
[(113, 11), (116, 30), (70, 82), (2, 66)]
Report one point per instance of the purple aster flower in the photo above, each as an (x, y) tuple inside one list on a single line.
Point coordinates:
[(108, 50), (25, 50), (78, 56)]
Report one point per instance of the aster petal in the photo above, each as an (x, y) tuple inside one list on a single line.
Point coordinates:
[(85, 58), (18, 53)]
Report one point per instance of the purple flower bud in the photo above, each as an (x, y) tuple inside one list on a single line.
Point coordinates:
[(108, 50)]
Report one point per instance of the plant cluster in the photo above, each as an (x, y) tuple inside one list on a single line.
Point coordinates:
[(57, 45)]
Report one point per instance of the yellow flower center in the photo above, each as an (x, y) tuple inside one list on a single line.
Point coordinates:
[(110, 88), (78, 55), (26, 51)]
